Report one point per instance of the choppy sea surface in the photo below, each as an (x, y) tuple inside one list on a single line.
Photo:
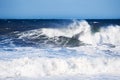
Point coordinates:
[(59, 49)]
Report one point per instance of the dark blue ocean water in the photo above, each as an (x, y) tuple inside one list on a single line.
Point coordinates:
[(10, 25)]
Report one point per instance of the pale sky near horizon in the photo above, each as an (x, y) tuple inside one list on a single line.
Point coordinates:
[(82, 9)]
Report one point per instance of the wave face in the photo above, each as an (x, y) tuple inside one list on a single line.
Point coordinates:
[(39, 48)]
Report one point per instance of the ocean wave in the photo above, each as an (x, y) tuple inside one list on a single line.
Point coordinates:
[(79, 32), (73, 50)]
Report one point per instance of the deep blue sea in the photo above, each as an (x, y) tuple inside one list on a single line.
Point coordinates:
[(40, 48)]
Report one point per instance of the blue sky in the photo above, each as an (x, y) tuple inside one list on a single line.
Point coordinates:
[(82, 9)]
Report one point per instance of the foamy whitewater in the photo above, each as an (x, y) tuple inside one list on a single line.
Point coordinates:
[(74, 52)]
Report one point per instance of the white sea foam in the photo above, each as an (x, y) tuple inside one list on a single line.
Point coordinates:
[(39, 67), (34, 62)]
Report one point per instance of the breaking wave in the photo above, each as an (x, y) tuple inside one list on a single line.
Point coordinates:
[(75, 34), (77, 49)]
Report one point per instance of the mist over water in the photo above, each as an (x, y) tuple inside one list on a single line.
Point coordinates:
[(40, 48)]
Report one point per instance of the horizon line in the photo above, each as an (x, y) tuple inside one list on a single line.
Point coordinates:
[(60, 18)]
